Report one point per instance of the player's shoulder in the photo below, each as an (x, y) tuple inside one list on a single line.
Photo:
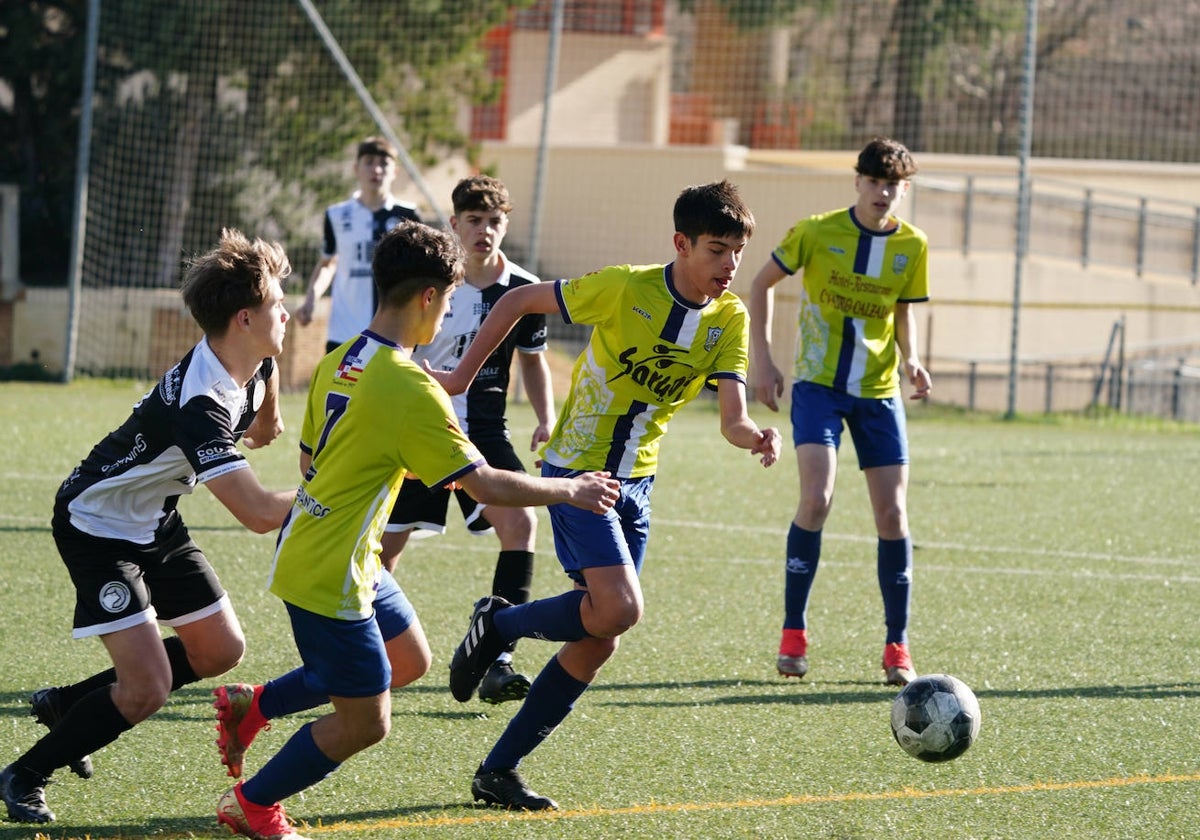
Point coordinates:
[(908, 229), (397, 208), (519, 275)]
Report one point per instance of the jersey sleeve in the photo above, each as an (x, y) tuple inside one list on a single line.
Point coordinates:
[(433, 447), (916, 289), (203, 431), (530, 333), (593, 298), (790, 254), (328, 239)]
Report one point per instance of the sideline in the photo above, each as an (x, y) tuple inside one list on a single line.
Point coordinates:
[(782, 802)]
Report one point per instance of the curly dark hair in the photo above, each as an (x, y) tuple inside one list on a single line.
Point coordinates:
[(886, 158)]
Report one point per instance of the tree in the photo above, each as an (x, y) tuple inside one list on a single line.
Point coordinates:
[(41, 50)]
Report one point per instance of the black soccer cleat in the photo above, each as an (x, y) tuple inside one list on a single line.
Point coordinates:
[(501, 684), (46, 707), (478, 649), (24, 793), (507, 789)]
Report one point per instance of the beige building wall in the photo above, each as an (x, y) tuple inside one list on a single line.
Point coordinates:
[(612, 204), (610, 89)]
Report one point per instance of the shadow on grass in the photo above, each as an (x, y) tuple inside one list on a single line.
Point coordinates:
[(822, 694)]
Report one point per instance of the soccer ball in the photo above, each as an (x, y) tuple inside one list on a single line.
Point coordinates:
[(935, 717)]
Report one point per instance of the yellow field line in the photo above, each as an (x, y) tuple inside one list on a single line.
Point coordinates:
[(781, 802)]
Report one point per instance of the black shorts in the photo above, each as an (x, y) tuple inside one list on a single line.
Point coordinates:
[(120, 584), (423, 508)]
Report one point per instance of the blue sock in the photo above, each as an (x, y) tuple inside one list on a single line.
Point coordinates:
[(299, 765), (288, 694), (803, 555), (556, 619), (550, 700), (895, 584)]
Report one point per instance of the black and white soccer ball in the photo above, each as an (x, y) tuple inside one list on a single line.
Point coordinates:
[(936, 717)]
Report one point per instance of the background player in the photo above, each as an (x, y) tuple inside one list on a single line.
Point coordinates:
[(481, 209), (863, 269), (352, 228), (123, 541), (661, 333), (371, 417)]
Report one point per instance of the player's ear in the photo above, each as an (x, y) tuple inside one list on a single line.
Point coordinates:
[(682, 243)]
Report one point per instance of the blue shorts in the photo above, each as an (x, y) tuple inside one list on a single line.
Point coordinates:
[(878, 427), (618, 537), (348, 658)]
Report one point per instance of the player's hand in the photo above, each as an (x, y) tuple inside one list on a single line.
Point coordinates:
[(304, 312), (769, 445), (595, 491), (767, 385), (919, 378), (262, 430), (448, 379)]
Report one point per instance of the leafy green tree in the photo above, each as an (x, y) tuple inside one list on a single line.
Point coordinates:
[(41, 50)]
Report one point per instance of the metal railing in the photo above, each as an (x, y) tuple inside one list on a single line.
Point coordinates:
[(1096, 227)]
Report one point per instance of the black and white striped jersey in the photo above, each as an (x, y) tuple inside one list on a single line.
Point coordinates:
[(481, 408), (351, 231), (182, 433)]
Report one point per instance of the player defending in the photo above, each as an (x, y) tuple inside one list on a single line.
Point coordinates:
[(481, 208), (125, 546), (352, 228), (863, 269), (661, 333), (372, 415)]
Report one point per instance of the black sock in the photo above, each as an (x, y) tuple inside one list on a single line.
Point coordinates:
[(91, 723), (513, 580), (181, 670), (181, 674)]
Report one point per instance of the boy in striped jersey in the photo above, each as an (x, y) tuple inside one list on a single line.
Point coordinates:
[(863, 269), (661, 334)]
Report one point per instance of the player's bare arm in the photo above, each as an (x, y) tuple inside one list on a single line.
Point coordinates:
[(593, 491), (509, 309), (268, 422), (259, 509), (535, 374), (739, 429), (906, 342), (318, 283), (766, 380)]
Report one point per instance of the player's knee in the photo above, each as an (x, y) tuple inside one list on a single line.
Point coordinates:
[(136, 702), (219, 659), (411, 670), (615, 617)]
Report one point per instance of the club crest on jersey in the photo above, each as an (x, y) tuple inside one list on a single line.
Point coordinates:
[(350, 369), (899, 263), (714, 335)]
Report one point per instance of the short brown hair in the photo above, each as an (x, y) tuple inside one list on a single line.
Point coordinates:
[(714, 209), (481, 192), (413, 256), (376, 146), (886, 158), (235, 275)]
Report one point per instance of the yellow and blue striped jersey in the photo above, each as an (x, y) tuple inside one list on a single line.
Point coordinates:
[(372, 415), (853, 278), (650, 352)]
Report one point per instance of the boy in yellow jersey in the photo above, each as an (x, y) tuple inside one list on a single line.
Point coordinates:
[(372, 416), (661, 333), (863, 269)]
